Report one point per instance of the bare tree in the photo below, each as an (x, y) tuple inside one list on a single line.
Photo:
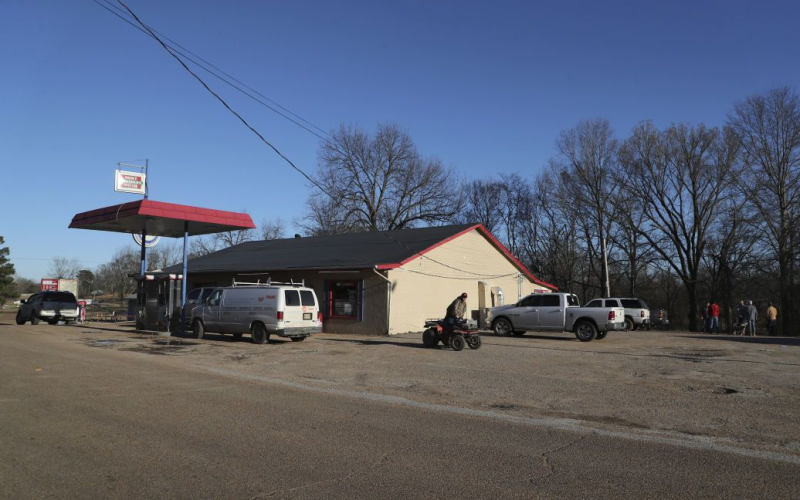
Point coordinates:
[(681, 175), (273, 229), (25, 285), (379, 182), (63, 267), (588, 156), (112, 277), (482, 203), (768, 128)]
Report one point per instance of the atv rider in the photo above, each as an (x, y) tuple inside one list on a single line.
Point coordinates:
[(455, 311)]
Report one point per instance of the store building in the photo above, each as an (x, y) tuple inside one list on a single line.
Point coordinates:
[(380, 282)]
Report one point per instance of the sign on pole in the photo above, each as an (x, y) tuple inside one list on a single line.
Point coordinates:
[(129, 182), (149, 240), (49, 285)]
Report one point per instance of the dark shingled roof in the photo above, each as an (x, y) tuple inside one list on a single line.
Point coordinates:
[(341, 251)]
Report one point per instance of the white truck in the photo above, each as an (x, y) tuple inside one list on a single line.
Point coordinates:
[(555, 312)]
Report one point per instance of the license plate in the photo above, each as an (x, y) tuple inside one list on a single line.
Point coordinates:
[(306, 315)]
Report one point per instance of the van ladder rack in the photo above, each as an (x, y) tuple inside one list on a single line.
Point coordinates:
[(269, 282)]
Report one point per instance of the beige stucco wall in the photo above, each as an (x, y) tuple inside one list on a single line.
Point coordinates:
[(375, 290), (416, 296)]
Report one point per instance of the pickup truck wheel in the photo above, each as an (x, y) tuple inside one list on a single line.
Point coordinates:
[(198, 329), (34, 319), (298, 339), (457, 342), (430, 338), (601, 335), (20, 319), (585, 331), (259, 334), (629, 326), (502, 327)]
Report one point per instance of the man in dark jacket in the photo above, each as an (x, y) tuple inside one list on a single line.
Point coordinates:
[(456, 310), (752, 316)]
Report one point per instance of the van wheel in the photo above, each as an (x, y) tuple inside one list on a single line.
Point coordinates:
[(297, 339), (259, 334), (585, 331), (34, 319), (198, 329), (20, 319)]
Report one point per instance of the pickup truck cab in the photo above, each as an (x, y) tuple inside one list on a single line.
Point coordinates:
[(555, 312)]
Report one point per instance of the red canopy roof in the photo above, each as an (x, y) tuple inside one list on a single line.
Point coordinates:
[(163, 219)]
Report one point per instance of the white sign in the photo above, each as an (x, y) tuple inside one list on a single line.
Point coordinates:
[(149, 240), (129, 182)]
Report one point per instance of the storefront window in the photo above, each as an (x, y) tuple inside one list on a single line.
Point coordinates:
[(343, 299)]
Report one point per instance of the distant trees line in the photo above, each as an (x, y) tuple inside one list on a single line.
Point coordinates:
[(683, 214)]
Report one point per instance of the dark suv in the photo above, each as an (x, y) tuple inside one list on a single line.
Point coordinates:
[(49, 306)]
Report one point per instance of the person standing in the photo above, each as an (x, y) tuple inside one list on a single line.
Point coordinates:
[(752, 316), (772, 318), (713, 312), (707, 318)]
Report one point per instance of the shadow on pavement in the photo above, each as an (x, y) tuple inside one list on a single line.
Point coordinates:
[(417, 345), (792, 341)]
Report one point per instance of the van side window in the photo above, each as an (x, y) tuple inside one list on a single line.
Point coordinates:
[(292, 298), (194, 295), (307, 297), (215, 297)]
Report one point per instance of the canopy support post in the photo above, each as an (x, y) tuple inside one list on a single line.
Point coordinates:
[(185, 273), (144, 250)]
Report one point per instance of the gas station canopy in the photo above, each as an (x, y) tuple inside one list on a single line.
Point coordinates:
[(161, 219)]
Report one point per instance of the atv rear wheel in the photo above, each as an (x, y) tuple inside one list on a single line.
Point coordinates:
[(430, 338)]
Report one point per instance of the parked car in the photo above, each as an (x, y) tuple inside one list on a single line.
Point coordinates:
[(49, 306), (284, 309), (555, 312), (637, 313)]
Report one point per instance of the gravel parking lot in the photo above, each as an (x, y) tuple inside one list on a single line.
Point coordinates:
[(733, 391)]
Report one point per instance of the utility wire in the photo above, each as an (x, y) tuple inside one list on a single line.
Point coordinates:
[(204, 66), (175, 55)]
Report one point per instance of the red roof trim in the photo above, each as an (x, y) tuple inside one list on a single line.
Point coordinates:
[(480, 228), (164, 210)]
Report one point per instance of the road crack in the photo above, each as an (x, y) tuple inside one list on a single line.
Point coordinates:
[(545, 456)]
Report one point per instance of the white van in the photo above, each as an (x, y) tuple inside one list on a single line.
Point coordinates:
[(260, 309)]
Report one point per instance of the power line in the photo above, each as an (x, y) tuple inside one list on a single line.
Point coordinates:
[(183, 52), (175, 55)]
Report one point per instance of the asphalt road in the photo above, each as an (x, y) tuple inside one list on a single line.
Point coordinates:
[(79, 421)]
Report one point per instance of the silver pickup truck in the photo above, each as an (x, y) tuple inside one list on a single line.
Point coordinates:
[(555, 312)]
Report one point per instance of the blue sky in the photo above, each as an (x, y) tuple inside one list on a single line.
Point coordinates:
[(485, 86)]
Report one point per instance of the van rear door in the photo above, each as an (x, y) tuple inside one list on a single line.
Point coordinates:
[(293, 310), (310, 308)]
